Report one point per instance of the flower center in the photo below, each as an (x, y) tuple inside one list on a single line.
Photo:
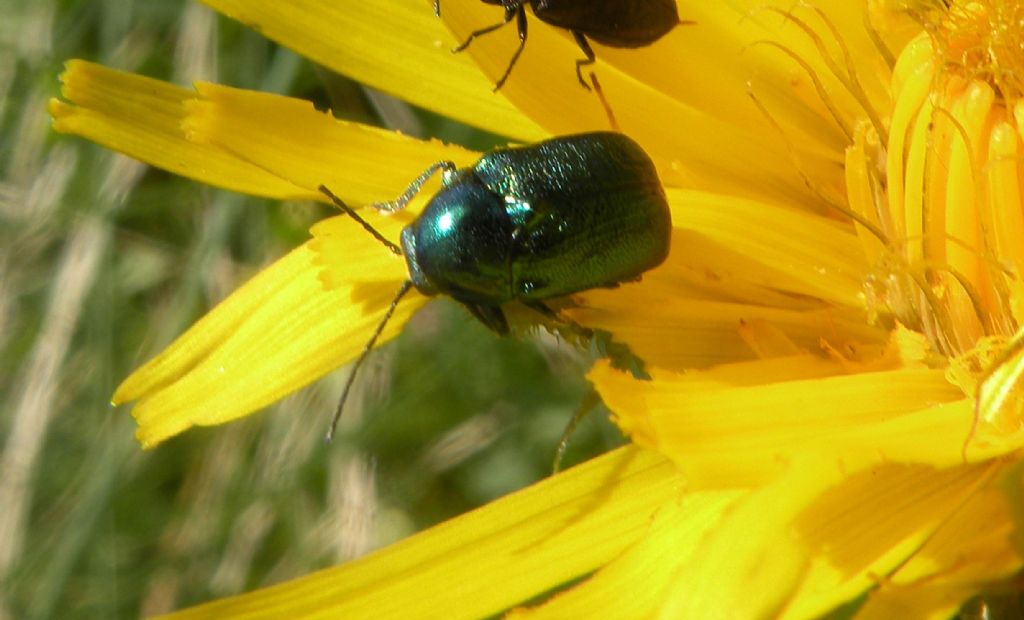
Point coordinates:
[(981, 41), (945, 186), (945, 190)]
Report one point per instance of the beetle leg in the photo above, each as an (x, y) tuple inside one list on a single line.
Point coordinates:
[(589, 53), (521, 29), (588, 404), (509, 14), (544, 309), (491, 316), (400, 203), (437, 8)]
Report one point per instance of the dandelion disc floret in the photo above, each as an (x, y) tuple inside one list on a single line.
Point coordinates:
[(946, 191)]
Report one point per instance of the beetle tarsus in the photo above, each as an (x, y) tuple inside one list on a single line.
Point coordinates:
[(614, 124)]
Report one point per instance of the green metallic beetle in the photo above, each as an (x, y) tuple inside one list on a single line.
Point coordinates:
[(528, 224)]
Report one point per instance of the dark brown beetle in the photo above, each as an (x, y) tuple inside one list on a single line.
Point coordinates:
[(615, 23)]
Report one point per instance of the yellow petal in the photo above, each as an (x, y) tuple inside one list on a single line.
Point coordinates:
[(679, 333), (800, 546), (709, 555), (647, 570), (487, 560), (775, 246), (392, 45), (242, 140), (291, 139), (727, 250), (141, 117), (1000, 404), (740, 424), (280, 331), (867, 529), (970, 547), (766, 339), (750, 563)]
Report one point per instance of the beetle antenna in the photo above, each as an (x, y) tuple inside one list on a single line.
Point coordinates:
[(406, 286), (352, 213)]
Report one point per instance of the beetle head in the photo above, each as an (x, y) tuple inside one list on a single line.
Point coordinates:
[(416, 275), (459, 245)]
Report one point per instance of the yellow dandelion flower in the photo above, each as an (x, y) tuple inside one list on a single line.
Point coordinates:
[(835, 342)]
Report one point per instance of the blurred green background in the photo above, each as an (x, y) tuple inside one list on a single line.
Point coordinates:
[(103, 261)]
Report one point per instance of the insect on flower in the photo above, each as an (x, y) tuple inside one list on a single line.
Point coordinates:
[(615, 23), (529, 224)]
